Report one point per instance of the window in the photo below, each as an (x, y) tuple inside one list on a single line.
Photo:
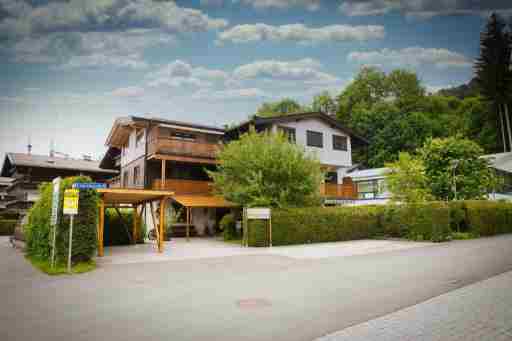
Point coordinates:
[(289, 132), (339, 142), (212, 138), (125, 179), (331, 177), (136, 175), (139, 137), (371, 189), (180, 135), (314, 139)]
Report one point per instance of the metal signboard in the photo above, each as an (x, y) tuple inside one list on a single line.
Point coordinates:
[(55, 201), (89, 185), (258, 213), (71, 201)]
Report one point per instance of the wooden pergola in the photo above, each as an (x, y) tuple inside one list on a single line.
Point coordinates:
[(137, 198)]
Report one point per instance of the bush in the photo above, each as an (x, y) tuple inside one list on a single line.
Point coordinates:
[(38, 229), (118, 230), (228, 226), (7, 227), (316, 224), (488, 218)]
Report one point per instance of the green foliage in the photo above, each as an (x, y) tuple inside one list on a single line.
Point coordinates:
[(7, 227), (323, 102), (282, 107), (38, 230), (456, 161), (407, 181), (315, 225), (61, 268), (267, 170), (118, 229), (228, 226), (488, 218)]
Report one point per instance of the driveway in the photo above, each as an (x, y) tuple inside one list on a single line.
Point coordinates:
[(250, 297), (201, 248)]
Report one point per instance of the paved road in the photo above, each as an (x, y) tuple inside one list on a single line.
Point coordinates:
[(478, 312), (234, 298)]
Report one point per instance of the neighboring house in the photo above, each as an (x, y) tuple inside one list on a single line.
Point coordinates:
[(321, 135), (5, 183), (370, 185), (502, 164), (28, 171)]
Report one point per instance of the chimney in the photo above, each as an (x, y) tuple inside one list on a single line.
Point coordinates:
[(29, 146), (52, 148)]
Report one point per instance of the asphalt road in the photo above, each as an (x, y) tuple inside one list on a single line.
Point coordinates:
[(235, 298)]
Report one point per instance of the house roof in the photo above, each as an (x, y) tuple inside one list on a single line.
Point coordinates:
[(43, 161), (257, 120), (367, 174), (122, 126), (500, 161)]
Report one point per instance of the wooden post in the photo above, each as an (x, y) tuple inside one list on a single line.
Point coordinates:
[(155, 224), (162, 223), (101, 227), (162, 181), (135, 223), (270, 228), (188, 224)]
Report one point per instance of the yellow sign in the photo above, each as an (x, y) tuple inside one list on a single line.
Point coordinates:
[(71, 201)]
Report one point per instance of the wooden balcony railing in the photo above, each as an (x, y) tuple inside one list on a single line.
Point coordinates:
[(346, 191), (172, 146), (179, 186)]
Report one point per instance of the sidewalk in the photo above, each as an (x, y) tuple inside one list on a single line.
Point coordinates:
[(482, 311)]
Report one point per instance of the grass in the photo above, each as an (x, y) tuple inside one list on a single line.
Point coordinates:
[(61, 269), (463, 235)]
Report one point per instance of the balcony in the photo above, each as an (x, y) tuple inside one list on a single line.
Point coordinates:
[(179, 186), (346, 191), (171, 146)]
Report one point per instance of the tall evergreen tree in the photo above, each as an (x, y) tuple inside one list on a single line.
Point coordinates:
[(493, 71)]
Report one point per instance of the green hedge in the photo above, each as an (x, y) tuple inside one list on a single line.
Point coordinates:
[(38, 230), (488, 218), (118, 231), (7, 227)]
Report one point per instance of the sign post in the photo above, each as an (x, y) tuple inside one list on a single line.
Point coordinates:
[(260, 214), (70, 208), (55, 215)]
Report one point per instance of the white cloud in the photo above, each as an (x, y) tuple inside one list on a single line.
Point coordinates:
[(180, 73), (128, 92), (425, 8), (303, 70), (300, 33), (106, 15), (310, 5), (230, 94), (411, 56)]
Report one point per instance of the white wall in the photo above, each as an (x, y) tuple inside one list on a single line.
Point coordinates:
[(327, 155), (132, 152)]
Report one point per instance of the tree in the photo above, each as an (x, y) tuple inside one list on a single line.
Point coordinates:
[(323, 102), (455, 169), (266, 169), (282, 107), (407, 180), (405, 88), (493, 71)]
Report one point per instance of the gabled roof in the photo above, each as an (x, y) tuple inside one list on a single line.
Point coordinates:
[(500, 161), (257, 120), (123, 126), (43, 161), (367, 174)]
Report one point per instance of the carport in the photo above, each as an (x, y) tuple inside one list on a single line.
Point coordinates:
[(200, 201), (138, 200)]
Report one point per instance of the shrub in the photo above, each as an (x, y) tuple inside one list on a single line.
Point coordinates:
[(118, 229), (7, 227), (228, 226), (316, 224), (488, 218), (38, 229)]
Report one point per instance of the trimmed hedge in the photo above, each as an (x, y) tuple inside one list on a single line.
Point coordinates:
[(434, 221), (38, 229), (488, 218), (228, 226), (7, 227)]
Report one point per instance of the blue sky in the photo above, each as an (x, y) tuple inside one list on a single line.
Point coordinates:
[(69, 68)]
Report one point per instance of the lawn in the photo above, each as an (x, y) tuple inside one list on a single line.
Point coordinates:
[(61, 269)]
